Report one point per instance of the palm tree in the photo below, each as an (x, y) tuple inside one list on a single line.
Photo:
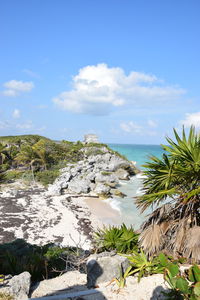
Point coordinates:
[(29, 157), (40, 149), (173, 185)]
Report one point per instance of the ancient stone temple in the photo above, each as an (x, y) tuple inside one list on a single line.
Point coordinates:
[(90, 138)]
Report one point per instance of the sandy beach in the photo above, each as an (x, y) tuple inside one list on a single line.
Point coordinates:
[(30, 213), (103, 212)]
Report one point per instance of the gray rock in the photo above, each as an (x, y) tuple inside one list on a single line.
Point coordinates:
[(101, 189), (79, 186), (110, 178), (18, 286), (104, 268), (122, 174), (79, 177)]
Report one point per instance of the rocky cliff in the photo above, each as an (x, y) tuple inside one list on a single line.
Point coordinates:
[(98, 173)]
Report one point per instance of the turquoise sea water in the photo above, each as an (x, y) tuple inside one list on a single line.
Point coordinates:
[(140, 154)]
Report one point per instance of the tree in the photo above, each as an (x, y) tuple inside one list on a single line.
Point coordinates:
[(173, 184), (3, 153), (28, 156), (40, 149)]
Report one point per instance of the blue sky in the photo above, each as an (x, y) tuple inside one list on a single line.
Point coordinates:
[(126, 70)]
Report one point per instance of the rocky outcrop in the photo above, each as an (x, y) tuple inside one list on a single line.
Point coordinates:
[(105, 267), (95, 174), (18, 286)]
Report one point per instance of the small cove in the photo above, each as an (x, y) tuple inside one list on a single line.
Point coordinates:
[(129, 214)]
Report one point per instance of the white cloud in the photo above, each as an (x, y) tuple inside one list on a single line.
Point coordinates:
[(98, 89), (16, 87), (130, 127), (16, 113), (192, 119), (152, 123)]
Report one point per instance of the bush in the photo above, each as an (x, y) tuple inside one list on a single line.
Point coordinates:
[(40, 261), (47, 177), (13, 175), (121, 239), (183, 286)]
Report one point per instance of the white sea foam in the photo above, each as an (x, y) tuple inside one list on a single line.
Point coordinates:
[(114, 203), (139, 192), (141, 175), (122, 182)]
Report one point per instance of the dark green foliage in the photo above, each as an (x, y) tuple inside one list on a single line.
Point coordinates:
[(47, 176), (176, 175), (41, 261), (183, 286), (121, 239)]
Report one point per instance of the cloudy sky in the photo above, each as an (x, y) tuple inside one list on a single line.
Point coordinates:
[(127, 70)]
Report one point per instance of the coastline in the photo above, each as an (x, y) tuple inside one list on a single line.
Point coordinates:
[(30, 213), (103, 211)]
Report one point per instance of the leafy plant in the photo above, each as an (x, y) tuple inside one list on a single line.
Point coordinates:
[(186, 286), (141, 264), (121, 239)]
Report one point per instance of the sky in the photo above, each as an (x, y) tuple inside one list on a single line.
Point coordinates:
[(126, 70)]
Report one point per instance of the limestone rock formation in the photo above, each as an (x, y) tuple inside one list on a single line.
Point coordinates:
[(95, 173), (104, 267), (18, 286)]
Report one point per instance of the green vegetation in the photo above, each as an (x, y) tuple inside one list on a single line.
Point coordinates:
[(47, 176), (34, 157), (41, 262), (184, 286), (121, 239), (106, 173), (175, 181)]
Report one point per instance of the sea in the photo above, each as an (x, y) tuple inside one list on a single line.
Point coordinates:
[(140, 154)]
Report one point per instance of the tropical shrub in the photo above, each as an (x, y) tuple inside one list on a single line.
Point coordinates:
[(183, 286), (144, 266), (121, 239), (47, 176), (13, 175), (173, 184), (40, 261)]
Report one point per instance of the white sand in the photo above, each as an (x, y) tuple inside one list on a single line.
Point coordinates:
[(40, 218)]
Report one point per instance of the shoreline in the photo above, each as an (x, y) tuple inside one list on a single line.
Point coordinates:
[(103, 211), (30, 213)]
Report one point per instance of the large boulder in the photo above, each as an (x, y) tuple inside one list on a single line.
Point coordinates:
[(101, 189), (79, 186), (104, 267), (18, 286), (106, 177), (122, 174)]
